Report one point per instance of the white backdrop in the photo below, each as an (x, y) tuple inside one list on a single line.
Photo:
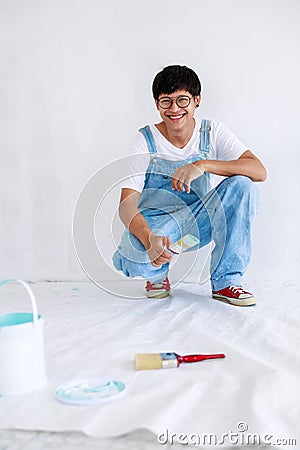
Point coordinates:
[(75, 85)]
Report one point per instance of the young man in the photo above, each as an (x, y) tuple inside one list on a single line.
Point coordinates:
[(168, 195)]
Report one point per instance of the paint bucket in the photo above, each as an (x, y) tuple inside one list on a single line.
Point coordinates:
[(22, 356)]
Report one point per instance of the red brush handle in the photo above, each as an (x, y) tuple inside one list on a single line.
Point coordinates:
[(195, 358)]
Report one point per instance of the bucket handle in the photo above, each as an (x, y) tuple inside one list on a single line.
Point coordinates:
[(31, 295)]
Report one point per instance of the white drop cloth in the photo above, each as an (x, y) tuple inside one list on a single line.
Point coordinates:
[(89, 333)]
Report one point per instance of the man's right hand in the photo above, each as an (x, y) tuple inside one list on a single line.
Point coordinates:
[(157, 249), (135, 222)]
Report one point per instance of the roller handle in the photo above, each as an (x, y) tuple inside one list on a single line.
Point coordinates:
[(195, 358)]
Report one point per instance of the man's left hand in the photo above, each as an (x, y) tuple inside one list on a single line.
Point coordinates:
[(184, 175)]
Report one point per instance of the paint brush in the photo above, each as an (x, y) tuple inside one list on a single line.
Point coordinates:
[(148, 361), (186, 242)]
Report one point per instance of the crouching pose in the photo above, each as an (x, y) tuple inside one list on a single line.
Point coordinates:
[(167, 194)]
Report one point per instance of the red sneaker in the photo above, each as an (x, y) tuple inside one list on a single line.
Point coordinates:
[(235, 295), (158, 290)]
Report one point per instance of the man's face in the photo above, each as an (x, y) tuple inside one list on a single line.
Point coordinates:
[(177, 115)]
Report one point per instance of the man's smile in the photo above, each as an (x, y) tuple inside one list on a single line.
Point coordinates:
[(175, 117)]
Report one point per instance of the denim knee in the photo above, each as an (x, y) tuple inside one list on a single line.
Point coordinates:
[(243, 187), (241, 182)]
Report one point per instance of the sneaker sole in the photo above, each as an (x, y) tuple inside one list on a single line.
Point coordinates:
[(251, 301), (158, 295)]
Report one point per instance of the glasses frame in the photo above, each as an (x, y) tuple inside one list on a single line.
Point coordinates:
[(174, 100)]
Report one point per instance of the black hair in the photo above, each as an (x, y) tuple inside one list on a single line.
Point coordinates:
[(174, 78)]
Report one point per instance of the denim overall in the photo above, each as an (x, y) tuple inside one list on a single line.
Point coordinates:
[(223, 214)]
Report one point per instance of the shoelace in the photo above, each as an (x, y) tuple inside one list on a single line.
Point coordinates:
[(163, 285), (237, 290)]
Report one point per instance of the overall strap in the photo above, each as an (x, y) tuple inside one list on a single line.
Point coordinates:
[(204, 138), (149, 138)]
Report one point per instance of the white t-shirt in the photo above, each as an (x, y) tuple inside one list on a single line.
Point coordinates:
[(224, 146)]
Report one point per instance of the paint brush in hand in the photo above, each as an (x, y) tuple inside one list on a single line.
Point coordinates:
[(148, 361)]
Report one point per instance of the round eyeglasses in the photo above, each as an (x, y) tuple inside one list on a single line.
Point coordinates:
[(182, 101)]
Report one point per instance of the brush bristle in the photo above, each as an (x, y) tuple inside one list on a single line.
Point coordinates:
[(148, 361)]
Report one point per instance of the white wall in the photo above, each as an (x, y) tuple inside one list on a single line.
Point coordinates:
[(75, 84)]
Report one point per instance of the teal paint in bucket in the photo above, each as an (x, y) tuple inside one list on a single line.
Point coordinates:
[(22, 356), (12, 319)]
